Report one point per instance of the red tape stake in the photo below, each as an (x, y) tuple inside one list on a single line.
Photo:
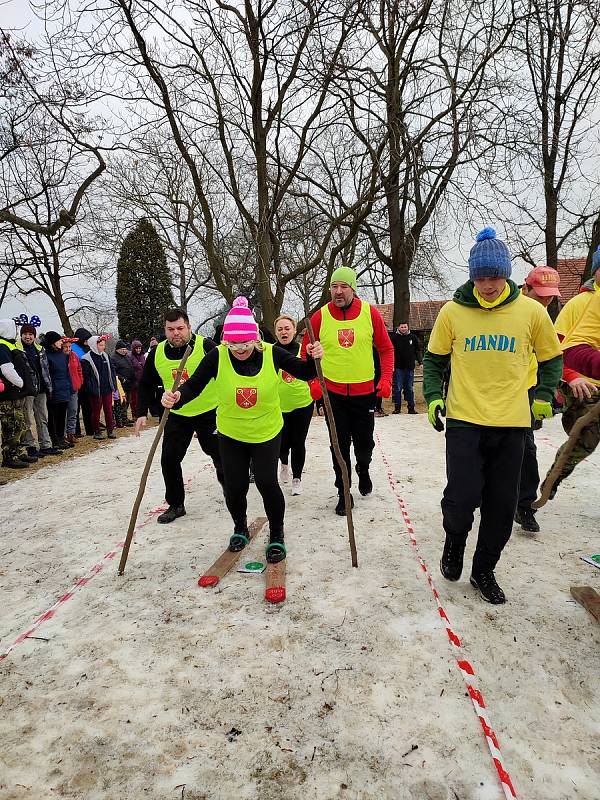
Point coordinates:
[(97, 568), (465, 666)]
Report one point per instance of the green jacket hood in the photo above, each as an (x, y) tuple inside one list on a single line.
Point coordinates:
[(464, 295)]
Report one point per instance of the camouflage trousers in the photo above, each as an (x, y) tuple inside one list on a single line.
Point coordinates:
[(589, 436), (14, 428)]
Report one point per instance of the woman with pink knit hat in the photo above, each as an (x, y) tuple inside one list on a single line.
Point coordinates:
[(249, 421)]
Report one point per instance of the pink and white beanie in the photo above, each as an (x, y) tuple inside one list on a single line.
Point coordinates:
[(240, 325)]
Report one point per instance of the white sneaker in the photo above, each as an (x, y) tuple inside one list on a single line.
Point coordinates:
[(296, 486), (284, 473)]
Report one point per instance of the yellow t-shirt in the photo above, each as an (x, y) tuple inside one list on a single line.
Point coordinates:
[(490, 355), (586, 329), (572, 312)]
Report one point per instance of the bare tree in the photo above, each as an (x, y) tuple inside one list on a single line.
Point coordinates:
[(245, 92), (421, 78), (38, 110), (62, 265), (152, 181), (557, 46)]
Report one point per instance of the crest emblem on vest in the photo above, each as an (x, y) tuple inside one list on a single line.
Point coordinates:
[(246, 397), (346, 337), (287, 377), (184, 375)]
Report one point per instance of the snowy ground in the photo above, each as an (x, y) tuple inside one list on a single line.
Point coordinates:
[(137, 683)]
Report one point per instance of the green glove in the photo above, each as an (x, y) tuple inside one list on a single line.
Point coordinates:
[(435, 409), (541, 409)]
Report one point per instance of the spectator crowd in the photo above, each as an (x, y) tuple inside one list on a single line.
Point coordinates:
[(55, 389)]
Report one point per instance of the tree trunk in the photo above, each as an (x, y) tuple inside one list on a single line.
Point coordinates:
[(401, 264), (550, 230), (59, 305)]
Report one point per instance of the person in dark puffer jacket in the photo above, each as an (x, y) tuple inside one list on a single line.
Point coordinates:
[(137, 359), (126, 374), (18, 382), (99, 382), (62, 388), (80, 348), (37, 438)]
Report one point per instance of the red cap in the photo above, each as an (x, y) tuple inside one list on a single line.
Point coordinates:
[(545, 281)]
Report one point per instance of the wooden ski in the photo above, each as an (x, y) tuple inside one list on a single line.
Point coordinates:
[(275, 582), (227, 559), (589, 599)]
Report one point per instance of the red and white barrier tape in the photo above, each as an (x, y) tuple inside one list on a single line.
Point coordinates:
[(464, 665), (97, 568)]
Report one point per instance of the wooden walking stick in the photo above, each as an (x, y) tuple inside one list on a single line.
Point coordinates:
[(142, 489), (336, 448), (591, 416)]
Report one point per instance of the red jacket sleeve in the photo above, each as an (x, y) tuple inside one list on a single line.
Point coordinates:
[(316, 326), (385, 348), (585, 359), (568, 374), (75, 372)]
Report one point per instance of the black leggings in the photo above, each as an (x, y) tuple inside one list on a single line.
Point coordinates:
[(293, 437), (235, 460)]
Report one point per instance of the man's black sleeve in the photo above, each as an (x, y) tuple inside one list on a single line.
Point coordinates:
[(206, 369), (303, 370), (147, 386)]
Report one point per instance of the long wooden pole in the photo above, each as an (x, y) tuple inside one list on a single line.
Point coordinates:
[(591, 416), (336, 448), (142, 489)]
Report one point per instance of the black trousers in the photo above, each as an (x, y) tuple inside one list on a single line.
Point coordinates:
[(293, 437), (57, 418), (354, 418), (235, 458), (176, 440), (85, 407), (483, 467), (530, 476)]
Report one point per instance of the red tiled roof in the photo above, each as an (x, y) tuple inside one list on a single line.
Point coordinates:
[(423, 313), (571, 276)]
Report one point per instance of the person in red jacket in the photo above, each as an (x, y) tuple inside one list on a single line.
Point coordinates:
[(76, 374), (351, 327)]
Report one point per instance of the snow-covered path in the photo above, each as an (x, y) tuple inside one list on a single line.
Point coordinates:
[(149, 687)]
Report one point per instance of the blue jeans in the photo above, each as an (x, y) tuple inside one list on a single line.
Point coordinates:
[(72, 409), (403, 382)]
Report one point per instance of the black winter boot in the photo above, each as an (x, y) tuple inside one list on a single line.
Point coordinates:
[(239, 538), (340, 509), (275, 551), (365, 484), (488, 588), (172, 513), (451, 563), (525, 517)]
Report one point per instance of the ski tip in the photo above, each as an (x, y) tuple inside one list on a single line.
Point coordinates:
[(208, 580), (275, 594)]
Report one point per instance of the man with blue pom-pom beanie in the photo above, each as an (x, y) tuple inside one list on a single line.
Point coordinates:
[(486, 334)]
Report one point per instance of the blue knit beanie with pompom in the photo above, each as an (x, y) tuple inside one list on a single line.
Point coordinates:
[(596, 259), (489, 257)]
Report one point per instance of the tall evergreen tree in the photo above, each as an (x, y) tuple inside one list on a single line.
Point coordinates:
[(143, 284)]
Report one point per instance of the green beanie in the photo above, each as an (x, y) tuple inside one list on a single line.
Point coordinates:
[(344, 275)]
